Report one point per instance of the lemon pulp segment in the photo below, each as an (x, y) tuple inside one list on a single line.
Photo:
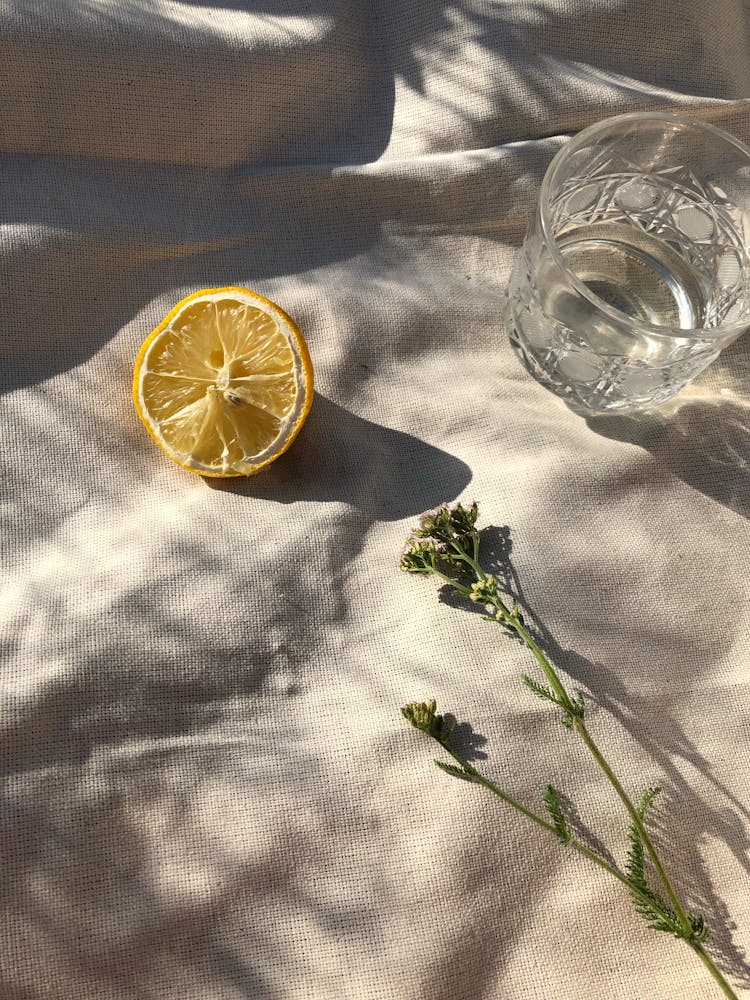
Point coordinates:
[(224, 384)]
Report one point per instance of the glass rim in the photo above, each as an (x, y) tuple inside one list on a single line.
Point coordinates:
[(582, 138)]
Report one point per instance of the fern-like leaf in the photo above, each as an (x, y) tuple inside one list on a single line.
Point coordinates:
[(654, 909), (551, 801), (646, 799), (657, 913), (540, 690), (457, 772), (634, 866), (636, 857)]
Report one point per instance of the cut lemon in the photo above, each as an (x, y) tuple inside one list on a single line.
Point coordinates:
[(224, 383)]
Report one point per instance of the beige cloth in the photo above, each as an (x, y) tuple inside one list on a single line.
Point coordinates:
[(208, 791)]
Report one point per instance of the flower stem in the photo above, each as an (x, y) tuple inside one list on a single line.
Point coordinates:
[(514, 622), (703, 955), (580, 726), (446, 544), (577, 845), (638, 823), (547, 669)]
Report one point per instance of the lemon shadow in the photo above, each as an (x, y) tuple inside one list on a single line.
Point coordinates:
[(340, 457)]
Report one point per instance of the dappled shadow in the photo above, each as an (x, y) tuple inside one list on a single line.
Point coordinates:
[(316, 82), (70, 720), (121, 240), (284, 83), (98, 240), (168, 824), (119, 885), (501, 72), (706, 443), (693, 821)]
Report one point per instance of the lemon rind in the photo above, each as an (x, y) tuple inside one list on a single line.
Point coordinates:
[(291, 424)]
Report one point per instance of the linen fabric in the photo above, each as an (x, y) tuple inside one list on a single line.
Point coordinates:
[(208, 791)]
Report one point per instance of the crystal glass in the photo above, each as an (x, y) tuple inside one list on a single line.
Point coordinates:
[(635, 271)]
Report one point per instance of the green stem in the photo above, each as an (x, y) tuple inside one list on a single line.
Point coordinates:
[(577, 845), (511, 619), (547, 669), (711, 966), (579, 725), (458, 587), (486, 783), (637, 822), (464, 556), (581, 848)]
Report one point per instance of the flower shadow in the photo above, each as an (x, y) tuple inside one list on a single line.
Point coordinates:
[(693, 822), (466, 741)]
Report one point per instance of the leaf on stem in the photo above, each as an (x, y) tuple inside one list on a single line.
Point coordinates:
[(457, 772), (539, 689), (646, 799), (574, 708), (551, 800), (654, 909), (634, 865)]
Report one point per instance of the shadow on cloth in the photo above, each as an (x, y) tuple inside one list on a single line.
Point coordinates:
[(704, 442), (680, 817), (87, 862), (198, 84), (112, 243), (340, 457)]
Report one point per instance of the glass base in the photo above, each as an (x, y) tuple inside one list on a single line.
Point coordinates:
[(585, 399)]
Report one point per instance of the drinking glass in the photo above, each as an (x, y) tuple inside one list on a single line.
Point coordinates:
[(635, 271)]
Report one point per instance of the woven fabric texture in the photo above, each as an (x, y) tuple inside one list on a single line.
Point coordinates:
[(208, 791)]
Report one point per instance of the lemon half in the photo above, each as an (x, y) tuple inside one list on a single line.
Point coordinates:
[(224, 383)]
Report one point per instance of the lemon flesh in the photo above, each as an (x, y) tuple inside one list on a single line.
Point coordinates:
[(224, 383)]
